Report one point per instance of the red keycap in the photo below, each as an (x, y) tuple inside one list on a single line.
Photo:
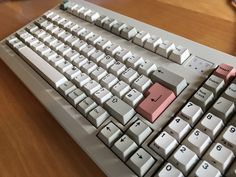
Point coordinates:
[(158, 98), (225, 72)]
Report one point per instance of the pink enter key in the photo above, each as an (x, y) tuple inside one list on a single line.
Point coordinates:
[(157, 100)]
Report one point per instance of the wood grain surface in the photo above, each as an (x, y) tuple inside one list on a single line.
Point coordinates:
[(32, 144)]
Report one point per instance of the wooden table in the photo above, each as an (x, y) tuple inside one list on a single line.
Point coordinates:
[(32, 144)]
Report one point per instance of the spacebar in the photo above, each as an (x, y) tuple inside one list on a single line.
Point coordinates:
[(54, 77)]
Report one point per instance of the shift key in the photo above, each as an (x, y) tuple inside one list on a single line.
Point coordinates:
[(169, 79), (157, 100), (119, 109)]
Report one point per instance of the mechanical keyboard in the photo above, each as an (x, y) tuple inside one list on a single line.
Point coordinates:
[(139, 100)]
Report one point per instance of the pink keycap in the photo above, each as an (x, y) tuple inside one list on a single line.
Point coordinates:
[(158, 98), (225, 72)]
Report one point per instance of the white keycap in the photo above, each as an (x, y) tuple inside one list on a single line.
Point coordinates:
[(203, 98), (230, 92), (228, 138), (86, 106), (72, 41), (65, 36), (76, 96), (116, 28), (223, 108), (198, 142), (64, 66), (164, 144), (72, 72), (107, 62), (128, 32), (219, 156), (211, 125), (117, 68), (120, 89), (85, 35), (215, 84), (71, 26), (109, 134), (184, 159), (81, 79), (142, 83), (80, 45), (88, 50), (51, 40), (66, 88), (103, 43), (64, 50), (83, 13), (122, 55), (140, 162), (124, 147), (204, 169), (80, 61), (109, 23), (56, 60), (42, 38), (178, 128), (152, 43), (31, 28), (92, 16), (77, 31), (165, 49), (49, 55), (102, 95), (97, 56), (97, 116), (98, 74), (101, 20), (179, 54), (57, 45), (191, 113), (53, 29), (71, 55), (58, 32), (119, 109), (134, 61), (91, 87), (169, 171), (39, 33), (147, 67), (41, 51), (139, 131), (88, 67), (133, 97), (109, 81), (141, 37), (112, 49), (129, 75)]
